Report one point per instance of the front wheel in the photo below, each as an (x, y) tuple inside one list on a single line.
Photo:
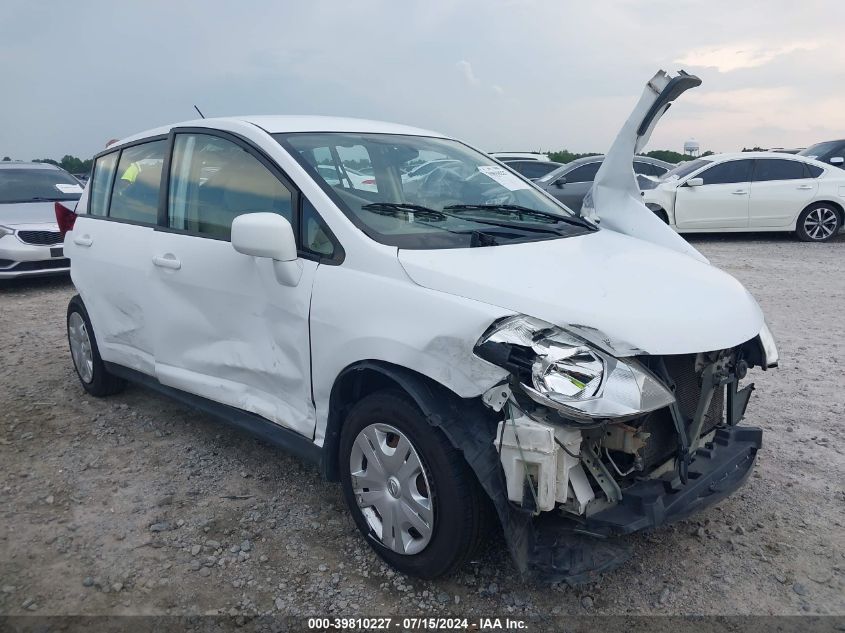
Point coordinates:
[(818, 223), (411, 493)]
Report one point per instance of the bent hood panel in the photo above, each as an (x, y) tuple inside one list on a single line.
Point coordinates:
[(642, 296)]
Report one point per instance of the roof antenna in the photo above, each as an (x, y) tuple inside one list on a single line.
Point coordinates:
[(198, 110)]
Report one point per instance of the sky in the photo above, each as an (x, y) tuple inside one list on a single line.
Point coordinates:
[(500, 74)]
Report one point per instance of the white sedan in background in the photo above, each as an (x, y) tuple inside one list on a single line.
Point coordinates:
[(751, 191)]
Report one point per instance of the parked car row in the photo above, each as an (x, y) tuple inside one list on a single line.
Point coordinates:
[(765, 191)]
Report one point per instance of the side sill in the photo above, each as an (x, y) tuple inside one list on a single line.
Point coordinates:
[(291, 441)]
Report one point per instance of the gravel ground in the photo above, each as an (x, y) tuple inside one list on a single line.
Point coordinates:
[(137, 505)]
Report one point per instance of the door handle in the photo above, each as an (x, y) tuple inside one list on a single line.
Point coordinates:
[(805, 187), (83, 240), (167, 261), (739, 192)]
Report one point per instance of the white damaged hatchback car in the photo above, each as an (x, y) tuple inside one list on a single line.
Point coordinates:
[(467, 353)]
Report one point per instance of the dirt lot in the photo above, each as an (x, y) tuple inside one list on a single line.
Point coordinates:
[(135, 504)]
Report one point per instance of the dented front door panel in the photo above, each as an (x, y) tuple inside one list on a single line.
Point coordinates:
[(228, 331)]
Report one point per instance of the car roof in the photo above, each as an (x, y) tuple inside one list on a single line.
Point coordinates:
[(769, 155), (285, 123), (26, 165), (765, 154), (600, 157)]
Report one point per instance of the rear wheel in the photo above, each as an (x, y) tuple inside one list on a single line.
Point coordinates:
[(90, 369), (411, 493), (818, 223)]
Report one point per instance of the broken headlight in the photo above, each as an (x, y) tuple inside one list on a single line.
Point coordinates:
[(562, 371)]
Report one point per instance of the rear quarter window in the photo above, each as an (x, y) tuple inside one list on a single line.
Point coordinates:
[(813, 171), (101, 181)]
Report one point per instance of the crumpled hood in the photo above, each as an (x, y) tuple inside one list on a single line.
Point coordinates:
[(29, 212), (641, 296)]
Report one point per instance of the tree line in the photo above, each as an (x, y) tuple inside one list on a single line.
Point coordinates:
[(565, 156), (69, 163)]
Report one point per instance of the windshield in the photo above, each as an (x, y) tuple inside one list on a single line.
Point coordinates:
[(423, 192), (819, 149), (684, 169), (37, 185)]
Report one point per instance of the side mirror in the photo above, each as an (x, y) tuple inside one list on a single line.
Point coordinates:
[(560, 182), (695, 182), (264, 235), (837, 160), (268, 235)]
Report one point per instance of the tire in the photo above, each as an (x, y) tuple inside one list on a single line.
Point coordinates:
[(444, 483), (660, 213), (87, 362), (818, 223)]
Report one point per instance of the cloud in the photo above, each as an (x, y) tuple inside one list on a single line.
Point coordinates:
[(741, 55), (465, 68)]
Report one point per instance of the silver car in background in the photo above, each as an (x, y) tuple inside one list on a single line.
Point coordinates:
[(571, 182), (30, 241)]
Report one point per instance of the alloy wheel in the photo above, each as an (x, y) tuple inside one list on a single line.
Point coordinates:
[(820, 223)]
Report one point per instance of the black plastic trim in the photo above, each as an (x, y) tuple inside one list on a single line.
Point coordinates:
[(719, 468), (294, 443), (674, 89)]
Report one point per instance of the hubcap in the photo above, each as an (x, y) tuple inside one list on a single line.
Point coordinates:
[(820, 223), (391, 488), (80, 347)]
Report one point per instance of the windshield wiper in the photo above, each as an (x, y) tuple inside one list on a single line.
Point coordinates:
[(521, 212), (419, 211)]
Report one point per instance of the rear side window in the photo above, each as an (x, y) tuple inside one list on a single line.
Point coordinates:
[(777, 169), (213, 181), (532, 168), (136, 185), (643, 168), (730, 172), (584, 173), (101, 184)]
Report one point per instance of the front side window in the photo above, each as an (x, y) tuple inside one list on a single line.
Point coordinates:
[(101, 181), (778, 169), (584, 173), (213, 180), (424, 192), (730, 172), (136, 186), (37, 185), (314, 236)]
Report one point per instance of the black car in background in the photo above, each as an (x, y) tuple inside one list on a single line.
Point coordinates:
[(832, 152), (533, 169)]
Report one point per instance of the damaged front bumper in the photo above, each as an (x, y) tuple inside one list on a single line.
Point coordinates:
[(718, 469)]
